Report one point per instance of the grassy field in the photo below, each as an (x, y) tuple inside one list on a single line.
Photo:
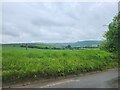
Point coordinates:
[(12, 46), (19, 64)]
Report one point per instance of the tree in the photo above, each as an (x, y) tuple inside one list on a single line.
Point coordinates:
[(113, 35), (26, 46), (69, 46)]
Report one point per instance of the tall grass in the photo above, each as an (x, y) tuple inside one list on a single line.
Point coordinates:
[(21, 64)]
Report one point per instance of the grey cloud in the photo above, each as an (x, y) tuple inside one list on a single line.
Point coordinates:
[(10, 33), (52, 22), (10, 29), (47, 22)]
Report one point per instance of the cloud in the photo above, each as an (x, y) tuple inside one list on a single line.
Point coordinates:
[(56, 22)]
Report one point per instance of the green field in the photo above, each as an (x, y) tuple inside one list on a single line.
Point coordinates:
[(19, 64), (8, 46)]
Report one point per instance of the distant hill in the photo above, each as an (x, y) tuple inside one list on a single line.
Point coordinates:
[(89, 43)]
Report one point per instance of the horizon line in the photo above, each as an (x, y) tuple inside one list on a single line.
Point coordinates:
[(50, 42)]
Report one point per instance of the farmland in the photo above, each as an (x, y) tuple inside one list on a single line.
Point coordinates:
[(20, 64)]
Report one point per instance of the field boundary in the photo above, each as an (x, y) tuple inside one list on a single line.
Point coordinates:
[(52, 79)]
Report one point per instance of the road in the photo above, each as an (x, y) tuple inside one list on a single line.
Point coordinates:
[(105, 79)]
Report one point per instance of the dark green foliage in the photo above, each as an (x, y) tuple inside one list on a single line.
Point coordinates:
[(112, 36)]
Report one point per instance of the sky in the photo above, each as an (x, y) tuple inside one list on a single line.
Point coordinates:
[(55, 21)]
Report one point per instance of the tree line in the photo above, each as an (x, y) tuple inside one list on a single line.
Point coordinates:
[(56, 48), (112, 42)]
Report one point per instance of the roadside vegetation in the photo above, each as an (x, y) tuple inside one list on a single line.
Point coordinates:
[(112, 36), (21, 64)]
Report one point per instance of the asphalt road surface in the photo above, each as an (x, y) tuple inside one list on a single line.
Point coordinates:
[(105, 79)]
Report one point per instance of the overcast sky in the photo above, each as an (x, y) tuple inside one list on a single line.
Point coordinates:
[(56, 22)]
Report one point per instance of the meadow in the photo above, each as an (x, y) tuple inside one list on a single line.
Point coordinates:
[(20, 64)]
